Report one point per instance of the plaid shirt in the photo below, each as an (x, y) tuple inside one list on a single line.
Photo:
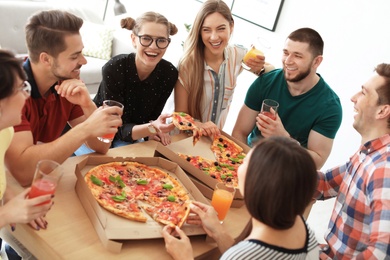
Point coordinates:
[(360, 223)]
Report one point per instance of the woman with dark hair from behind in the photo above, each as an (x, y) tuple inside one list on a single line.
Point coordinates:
[(282, 180)]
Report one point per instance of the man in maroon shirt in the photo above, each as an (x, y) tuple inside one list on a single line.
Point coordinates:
[(58, 98)]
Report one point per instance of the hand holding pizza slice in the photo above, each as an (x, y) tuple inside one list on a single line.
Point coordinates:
[(184, 122)]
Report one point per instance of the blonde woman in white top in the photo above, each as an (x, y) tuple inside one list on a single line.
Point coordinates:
[(209, 68)]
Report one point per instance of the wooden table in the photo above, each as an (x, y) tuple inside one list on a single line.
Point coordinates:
[(70, 234)]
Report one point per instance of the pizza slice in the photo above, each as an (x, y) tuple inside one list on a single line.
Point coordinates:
[(197, 161), (185, 122), (171, 212), (225, 174), (223, 147), (113, 197)]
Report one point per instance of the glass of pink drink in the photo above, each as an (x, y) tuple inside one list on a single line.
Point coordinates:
[(47, 175), (107, 138), (269, 108)]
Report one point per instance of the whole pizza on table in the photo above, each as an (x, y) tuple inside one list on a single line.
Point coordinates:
[(121, 187)]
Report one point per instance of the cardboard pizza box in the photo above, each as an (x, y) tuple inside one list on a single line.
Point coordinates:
[(109, 226), (203, 182)]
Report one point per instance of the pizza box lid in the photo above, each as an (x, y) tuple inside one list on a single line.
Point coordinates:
[(201, 148), (110, 226)]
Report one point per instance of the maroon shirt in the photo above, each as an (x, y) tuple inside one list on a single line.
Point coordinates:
[(46, 117)]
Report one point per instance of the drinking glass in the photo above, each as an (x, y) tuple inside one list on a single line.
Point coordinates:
[(47, 175), (269, 108), (222, 199), (252, 53), (107, 138)]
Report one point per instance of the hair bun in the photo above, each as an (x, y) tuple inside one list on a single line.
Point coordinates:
[(128, 23), (173, 28)]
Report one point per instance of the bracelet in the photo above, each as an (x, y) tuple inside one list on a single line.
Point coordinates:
[(261, 72)]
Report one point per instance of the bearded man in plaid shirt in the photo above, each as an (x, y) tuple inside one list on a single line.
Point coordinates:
[(359, 227)]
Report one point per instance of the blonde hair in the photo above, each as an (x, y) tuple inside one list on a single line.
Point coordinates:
[(136, 25), (193, 57)]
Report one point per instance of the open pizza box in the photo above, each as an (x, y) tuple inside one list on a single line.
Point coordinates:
[(111, 228), (204, 182)]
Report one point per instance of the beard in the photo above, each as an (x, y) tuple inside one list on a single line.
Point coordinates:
[(302, 75), (60, 76)]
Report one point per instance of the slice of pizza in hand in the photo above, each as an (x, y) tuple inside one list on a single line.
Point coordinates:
[(172, 212), (184, 121)]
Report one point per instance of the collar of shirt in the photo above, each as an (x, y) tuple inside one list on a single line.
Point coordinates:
[(226, 58), (374, 145), (34, 88)]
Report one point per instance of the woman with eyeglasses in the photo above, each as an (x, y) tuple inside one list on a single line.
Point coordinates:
[(141, 81), (14, 91), (209, 68)]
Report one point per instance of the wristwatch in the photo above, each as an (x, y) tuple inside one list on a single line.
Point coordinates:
[(152, 129)]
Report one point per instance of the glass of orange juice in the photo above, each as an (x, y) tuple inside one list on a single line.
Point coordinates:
[(47, 175), (109, 103), (251, 54), (222, 199), (269, 108)]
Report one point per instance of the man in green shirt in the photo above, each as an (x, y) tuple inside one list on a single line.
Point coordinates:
[(309, 110)]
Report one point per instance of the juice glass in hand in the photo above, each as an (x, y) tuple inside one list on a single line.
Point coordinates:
[(251, 54), (47, 175), (107, 138), (269, 108), (222, 199)]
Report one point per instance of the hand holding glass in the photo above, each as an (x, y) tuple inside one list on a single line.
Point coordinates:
[(47, 175), (222, 200), (251, 54), (107, 138), (269, 108)]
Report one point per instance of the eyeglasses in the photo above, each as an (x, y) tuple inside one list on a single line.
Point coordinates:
[(146, 41), (25, 87)]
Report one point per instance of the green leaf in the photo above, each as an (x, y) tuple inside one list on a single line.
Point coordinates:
[(234, 159), (112, 178), (182, 113), (121, 184), (119, 198), (167, 186), (142, 182), (96, 180), (171, 198)]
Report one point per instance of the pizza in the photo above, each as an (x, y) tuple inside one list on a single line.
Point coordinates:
[(228, 157), (185, 122), (128, 189)]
